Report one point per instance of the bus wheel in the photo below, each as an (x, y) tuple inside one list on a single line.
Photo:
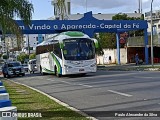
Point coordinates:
[(41, 71), (56, 72)]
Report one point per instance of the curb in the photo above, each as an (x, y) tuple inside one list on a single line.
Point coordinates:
[(58, 101)]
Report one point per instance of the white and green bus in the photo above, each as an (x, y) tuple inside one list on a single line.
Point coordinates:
[(66, 53)]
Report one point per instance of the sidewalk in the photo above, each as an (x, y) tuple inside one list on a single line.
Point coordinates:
[(129, 67)]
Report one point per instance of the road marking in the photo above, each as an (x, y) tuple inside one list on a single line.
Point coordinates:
[(75, 84), (104, 76), (66, 82), (120, 93), (50, 79), (146, 77), (69, 83), (85, 85)]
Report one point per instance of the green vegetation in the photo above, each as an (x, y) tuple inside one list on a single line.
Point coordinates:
[(9, 9), (32, 56), (108, 40), (27, 100), (22, 57)]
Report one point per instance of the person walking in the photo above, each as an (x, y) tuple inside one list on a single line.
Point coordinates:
[(137, 59)]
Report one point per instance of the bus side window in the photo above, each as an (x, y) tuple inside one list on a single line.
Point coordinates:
[(57, 50)]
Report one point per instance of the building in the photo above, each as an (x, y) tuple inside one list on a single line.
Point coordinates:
[(156, 21), (60, 12), (31, 41), (10, 44), (156, 32)]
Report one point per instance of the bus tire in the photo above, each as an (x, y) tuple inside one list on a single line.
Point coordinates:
[(41, 71), (56, 72)]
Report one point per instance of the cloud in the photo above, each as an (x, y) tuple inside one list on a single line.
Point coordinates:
[(115, 5)]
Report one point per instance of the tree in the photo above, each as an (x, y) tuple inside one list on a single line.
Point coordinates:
[(125, 17), (22, 57), (108, 40), (9, 9), (120, 16), (60, 8), (32, 56)]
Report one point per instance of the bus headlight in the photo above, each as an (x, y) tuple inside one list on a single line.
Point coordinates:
[(93, 65), (66, 66)]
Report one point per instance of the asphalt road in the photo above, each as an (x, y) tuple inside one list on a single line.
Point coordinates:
[(103, 91)]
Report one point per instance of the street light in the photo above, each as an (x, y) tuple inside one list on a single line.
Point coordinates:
[(151, 35)]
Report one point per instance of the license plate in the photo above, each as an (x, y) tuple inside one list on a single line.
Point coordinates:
[(81, 69)]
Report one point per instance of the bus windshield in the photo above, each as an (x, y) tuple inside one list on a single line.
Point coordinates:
[(78, 49)]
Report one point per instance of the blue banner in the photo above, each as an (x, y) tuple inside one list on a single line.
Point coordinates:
[(88, 22)]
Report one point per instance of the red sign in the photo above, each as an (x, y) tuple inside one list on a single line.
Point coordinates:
[(122, 40)]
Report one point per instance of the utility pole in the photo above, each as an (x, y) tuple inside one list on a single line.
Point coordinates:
[(28, 46), (151, 35), (139, 6)]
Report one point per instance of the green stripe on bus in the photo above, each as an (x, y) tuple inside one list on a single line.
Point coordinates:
[(47, 70), (57, 63)]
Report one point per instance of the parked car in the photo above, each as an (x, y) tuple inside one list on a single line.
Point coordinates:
[(32, 67), (12, 68), (25, 66)]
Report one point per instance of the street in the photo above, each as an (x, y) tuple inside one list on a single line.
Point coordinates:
[(102, 91)]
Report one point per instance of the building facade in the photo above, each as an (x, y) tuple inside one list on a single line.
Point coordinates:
[(31, 41)]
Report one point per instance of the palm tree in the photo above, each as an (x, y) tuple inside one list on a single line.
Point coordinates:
[(60, 8), (10, 9)]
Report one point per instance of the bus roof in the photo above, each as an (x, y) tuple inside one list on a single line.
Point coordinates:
[(71, 34), (64, 35)]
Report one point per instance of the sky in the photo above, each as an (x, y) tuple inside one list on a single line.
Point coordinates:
[(43, 8)]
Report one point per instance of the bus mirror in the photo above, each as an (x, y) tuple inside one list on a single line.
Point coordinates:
[(61, 45), (95, 42)]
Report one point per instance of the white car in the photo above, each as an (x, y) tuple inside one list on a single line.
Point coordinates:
[(32, 67)]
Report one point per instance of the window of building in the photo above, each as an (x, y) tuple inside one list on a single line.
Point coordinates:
[(37, 38)]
